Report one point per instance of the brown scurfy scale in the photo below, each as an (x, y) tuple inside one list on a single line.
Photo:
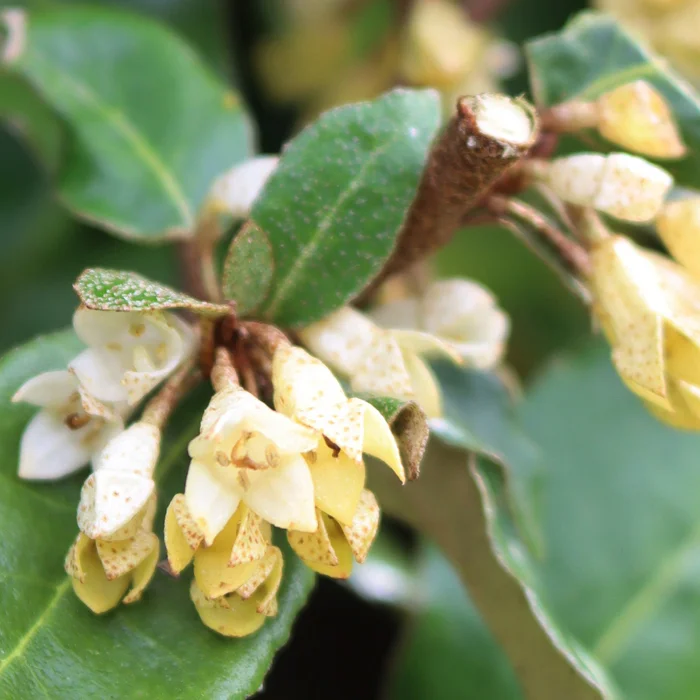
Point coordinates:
[(75, 421)]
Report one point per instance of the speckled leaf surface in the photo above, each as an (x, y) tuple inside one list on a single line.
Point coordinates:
[(150, 127), (248, 269), (116, 290), (334, 205), (50, 644), (594, 54)]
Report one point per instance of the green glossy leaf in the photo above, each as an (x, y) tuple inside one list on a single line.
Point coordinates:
[(410, 426), (447, 652), (334, 205), (116, 290), (248, 269), (621, 516), (50, 644), (150, 127), (594, 54)]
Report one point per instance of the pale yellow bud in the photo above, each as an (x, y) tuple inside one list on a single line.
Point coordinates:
[(679, 228), (649, 308), (624, 186)]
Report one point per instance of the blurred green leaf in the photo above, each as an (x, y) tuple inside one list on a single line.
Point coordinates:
[(594, 54), (334, 205), (116, 290), (447, 651), (248, 269), (621, 516), (150, 127), (50, 644)]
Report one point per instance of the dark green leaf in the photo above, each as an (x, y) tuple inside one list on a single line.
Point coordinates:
[(116, 290), (248, 269), (447, 651), (621, 517), (50, 644), (409, 425), (594, 54), (150, 127), (334, 205)]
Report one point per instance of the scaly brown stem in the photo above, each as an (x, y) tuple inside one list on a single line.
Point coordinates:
[(265, 336), (160, 407), (223, 373)]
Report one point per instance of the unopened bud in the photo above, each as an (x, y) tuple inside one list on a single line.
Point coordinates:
[(636, 117), (679, 228), (235, 191), (621, 185)]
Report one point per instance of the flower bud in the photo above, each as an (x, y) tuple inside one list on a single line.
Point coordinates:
[(618, 184), (236, 190), (678, 226), (636, 117), (648, 308)]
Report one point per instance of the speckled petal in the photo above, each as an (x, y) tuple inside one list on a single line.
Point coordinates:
[(426, 386), (338, 482), (334, 540), (264, 567), (361, 533), (92, 586), (122, 556), (266, 596), (315, 548), (109, 500), (231, 616), (678, 226), (134, 451), (379, 441), (181, 534), (382, 371), (250, 543), (210, 502), (143, 573)]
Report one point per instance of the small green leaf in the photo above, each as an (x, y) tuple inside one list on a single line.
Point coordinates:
[(116, 290), (51, 645), (248, 269), (410, 426), (594, 54), (334, 205), (621, 518), (150, 127)]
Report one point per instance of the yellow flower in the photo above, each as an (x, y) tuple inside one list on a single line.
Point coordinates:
[(331, 549), (235, 578), (246, 452), (649, 308), (678, 226), (103, 570)]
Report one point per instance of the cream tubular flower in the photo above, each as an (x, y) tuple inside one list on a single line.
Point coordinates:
[(236, 190), (129, 352), (246, 452), (70, 429), (103, 570), (649, 308), (306, 390), (331, 549), (624, 186)]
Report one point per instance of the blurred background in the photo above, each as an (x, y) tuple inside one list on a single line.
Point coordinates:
[(291, 59)]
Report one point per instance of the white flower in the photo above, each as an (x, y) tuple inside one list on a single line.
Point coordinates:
[(246, 452), (122, 482), (236, 190), (68, 432), (382, 354), (129, 352)]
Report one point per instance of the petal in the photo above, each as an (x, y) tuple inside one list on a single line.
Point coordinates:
[(49, 449), (120, 557), (361, 532), (231, 617), (402, 313), (422, 343), (426, 387), (383, 372), (109, 500), (341, 339), (92, 586), (327, 545), (210, 502), (212, 572), (143, 573), (100, 373), (679, 228), (250, 543), (50, 389), (266, 595), (235, 191), (379, 441), (181, 534), (264, 567), (284, 496), (134, 451), (338, 482)]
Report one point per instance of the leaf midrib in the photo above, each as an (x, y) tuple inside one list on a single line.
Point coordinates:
[(282, 292), (138, 142)]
